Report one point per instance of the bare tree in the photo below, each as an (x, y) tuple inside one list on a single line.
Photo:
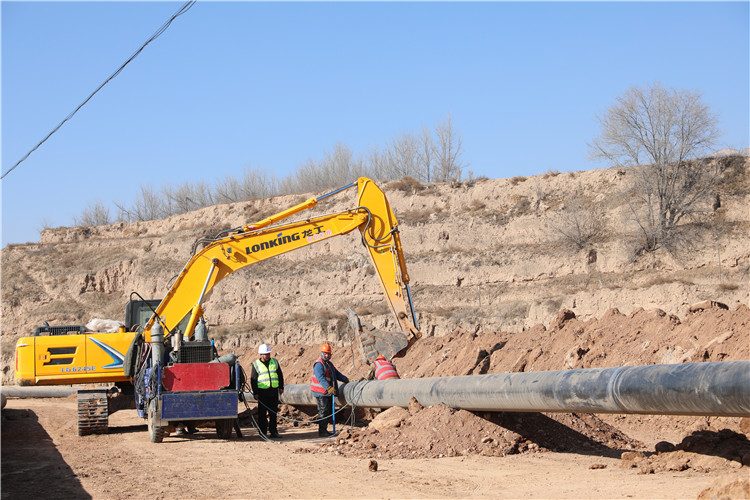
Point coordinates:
[(96, 213), (404, 157), (257, 183), (148, 205), (448, 150), (187, 197), (338, 168), (579, 222), (426, 155), (228, 190), (377, 163), (656, 131)]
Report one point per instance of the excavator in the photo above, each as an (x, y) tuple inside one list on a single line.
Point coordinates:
[(162, 362)]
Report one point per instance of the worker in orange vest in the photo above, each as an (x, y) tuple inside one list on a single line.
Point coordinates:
[(324, 385), (382, 369)]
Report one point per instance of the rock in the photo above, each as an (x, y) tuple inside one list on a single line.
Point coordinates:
[(664, 447), (706, 304), (646, 469), (563, 316), (414, 406), (632, 455), (373, 465), (745, 426), (389, 419), (597, 466)]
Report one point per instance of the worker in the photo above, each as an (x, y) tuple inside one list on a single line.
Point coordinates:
[(324, 386), (382, 369), (267, 384)]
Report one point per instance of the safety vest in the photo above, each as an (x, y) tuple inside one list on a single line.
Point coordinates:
[(316, 386), (385, 370), (268, 376)]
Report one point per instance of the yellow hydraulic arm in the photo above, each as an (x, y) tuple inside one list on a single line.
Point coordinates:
[(254, 243), (99, 357)]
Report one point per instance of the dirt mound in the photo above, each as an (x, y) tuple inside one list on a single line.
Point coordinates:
[(439, 431), (703, 451), (727, 487)]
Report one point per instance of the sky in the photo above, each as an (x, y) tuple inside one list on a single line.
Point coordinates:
[(236, 85)]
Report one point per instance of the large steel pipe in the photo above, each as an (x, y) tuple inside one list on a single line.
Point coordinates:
[(711, 389)]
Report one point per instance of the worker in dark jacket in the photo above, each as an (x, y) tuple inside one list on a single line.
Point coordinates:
[(267, 384), (324, 386)]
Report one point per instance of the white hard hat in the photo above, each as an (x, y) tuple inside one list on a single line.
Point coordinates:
[(264, 349)]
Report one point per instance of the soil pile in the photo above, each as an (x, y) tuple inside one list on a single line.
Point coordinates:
[(439, 431), (703, 451)]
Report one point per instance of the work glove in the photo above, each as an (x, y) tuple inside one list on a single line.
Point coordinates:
[(330, 390), (255, 396), (346, 380)]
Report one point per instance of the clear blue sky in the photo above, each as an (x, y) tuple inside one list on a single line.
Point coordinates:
[(269, 85)]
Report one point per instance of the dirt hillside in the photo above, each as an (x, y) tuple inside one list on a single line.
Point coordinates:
[(485, 255)]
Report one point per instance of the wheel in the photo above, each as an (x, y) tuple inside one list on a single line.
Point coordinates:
[(224, 428), (155, 433)]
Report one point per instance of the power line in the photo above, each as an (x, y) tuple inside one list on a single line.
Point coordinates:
[(185, 7)]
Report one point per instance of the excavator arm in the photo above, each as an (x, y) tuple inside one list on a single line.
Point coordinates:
[(270, 237), (61, 358)]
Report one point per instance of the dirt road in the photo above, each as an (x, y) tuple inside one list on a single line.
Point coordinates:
[(42, 456)]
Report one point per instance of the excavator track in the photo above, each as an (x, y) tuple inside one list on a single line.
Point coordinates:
[(93, 412)]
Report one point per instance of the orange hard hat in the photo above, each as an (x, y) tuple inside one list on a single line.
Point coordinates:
[(381, 357), (326, 348)]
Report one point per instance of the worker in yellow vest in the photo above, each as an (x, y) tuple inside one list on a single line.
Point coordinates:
[(267, 384)]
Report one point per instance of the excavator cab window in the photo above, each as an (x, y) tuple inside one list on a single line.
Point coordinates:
[(138, 312)]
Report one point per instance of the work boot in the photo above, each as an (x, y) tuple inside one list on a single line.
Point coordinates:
[(275, 435), (324, 433)]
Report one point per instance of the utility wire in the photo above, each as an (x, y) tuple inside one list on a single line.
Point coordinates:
[(185, 7)]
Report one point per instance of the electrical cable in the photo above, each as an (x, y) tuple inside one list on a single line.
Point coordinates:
[(185, 7)]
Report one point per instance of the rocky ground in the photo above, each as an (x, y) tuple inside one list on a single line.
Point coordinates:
[(418, 452)]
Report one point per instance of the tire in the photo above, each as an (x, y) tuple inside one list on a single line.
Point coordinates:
[(224, 428), (155, 434)]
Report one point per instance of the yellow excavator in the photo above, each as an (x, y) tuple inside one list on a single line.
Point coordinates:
[(161, 361)]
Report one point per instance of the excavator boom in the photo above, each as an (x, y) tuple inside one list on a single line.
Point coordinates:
[(182, 307)]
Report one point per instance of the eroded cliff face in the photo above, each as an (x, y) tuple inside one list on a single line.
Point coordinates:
[(484, 256)]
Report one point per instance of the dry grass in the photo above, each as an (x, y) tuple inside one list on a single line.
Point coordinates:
[(474, 207), (728, 287), (521, 205), (407, 184), (735, 179), (423, 215), (516, 180)]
